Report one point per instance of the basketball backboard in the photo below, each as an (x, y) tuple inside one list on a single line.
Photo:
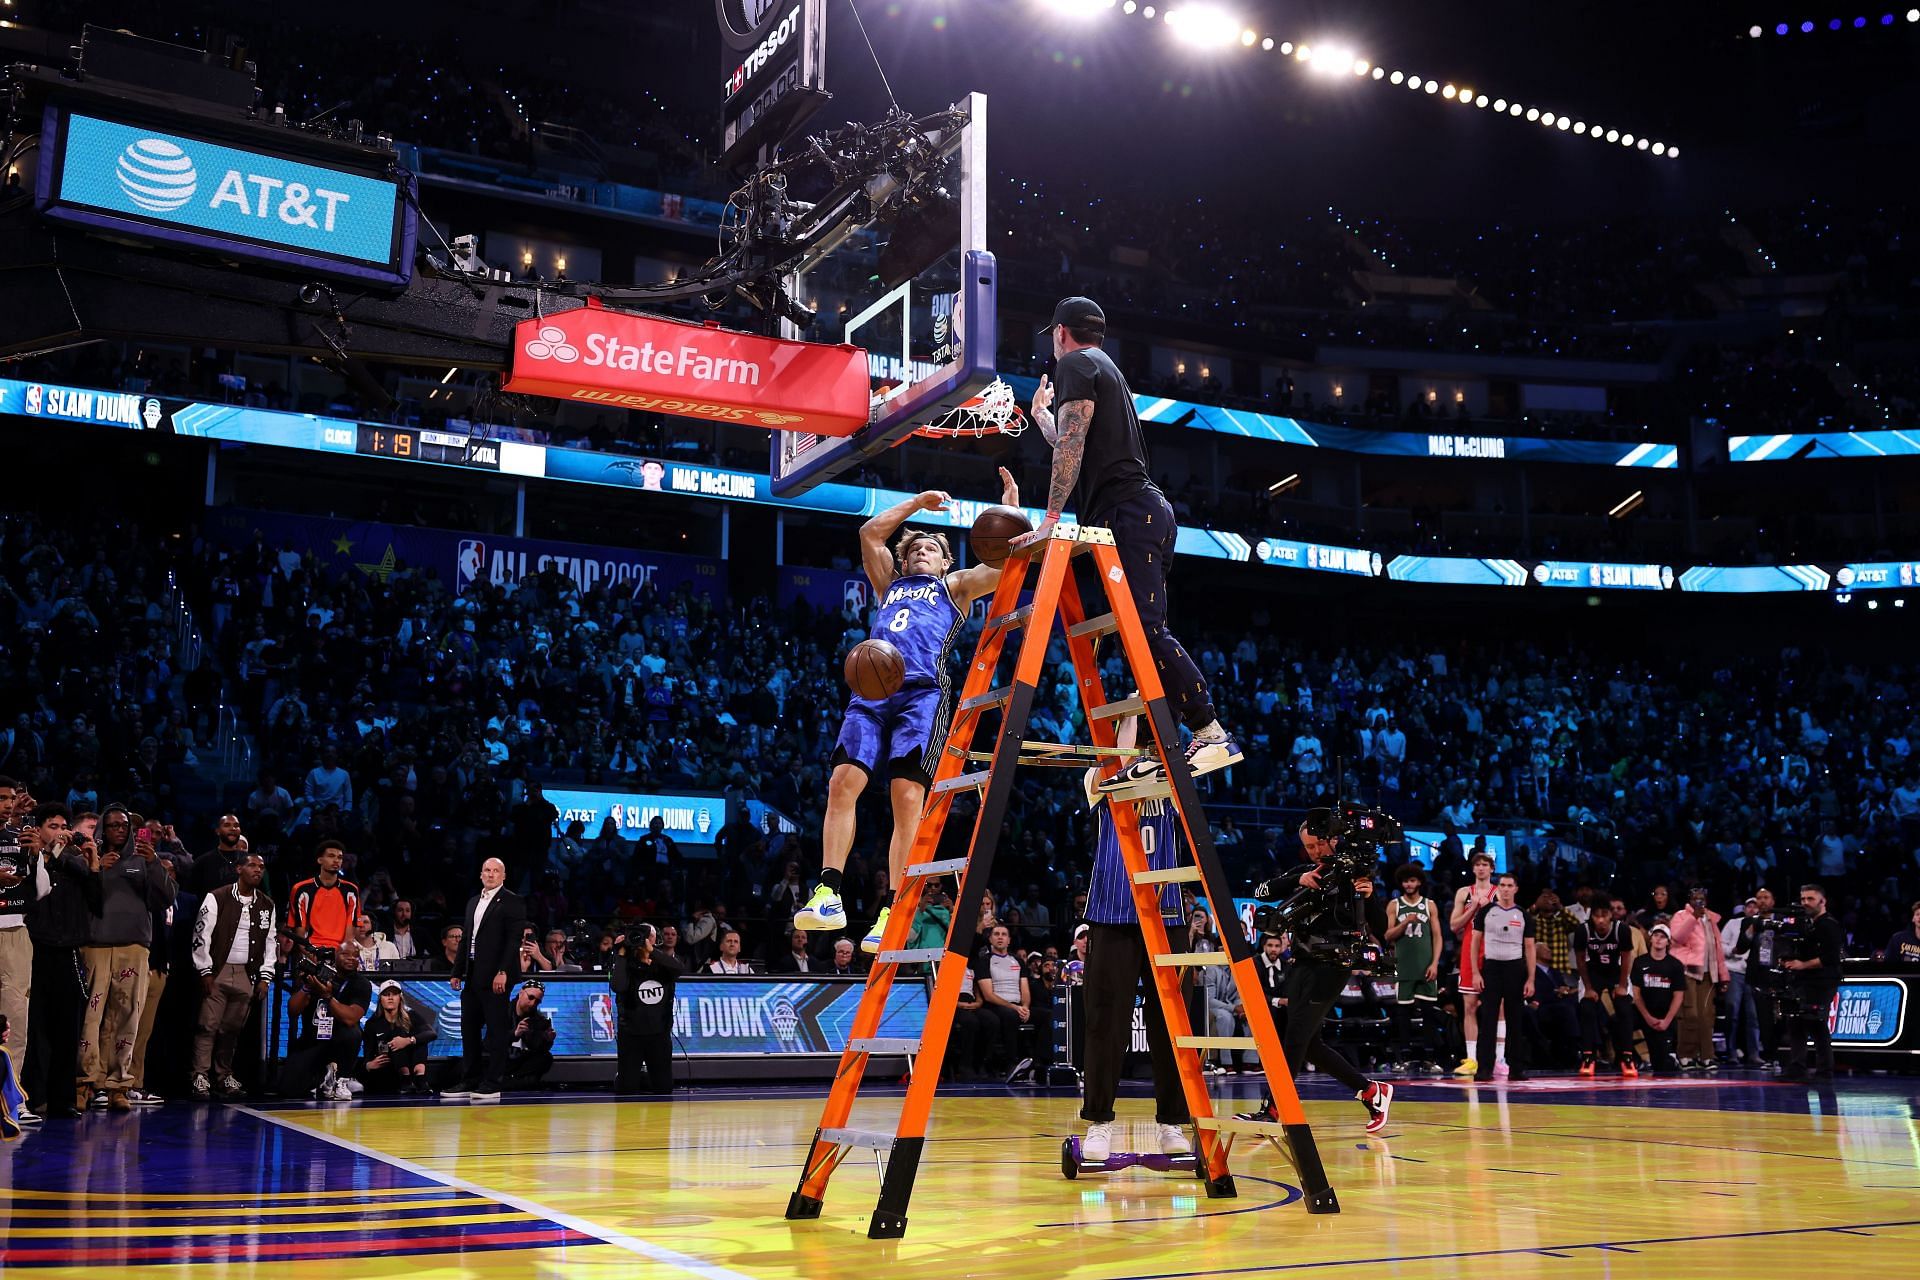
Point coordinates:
[(916, 291)]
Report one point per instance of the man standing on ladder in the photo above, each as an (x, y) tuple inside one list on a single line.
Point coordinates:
[(1100, 462), (921, 606), (1117, 962)]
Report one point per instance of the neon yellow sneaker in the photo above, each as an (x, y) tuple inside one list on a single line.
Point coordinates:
[(871, 943), (824, 910), (1466, 1068)]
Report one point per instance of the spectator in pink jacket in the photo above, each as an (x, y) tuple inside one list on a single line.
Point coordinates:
[(1696, 945)]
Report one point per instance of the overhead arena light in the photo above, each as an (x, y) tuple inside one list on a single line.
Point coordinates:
[(1204, 26)]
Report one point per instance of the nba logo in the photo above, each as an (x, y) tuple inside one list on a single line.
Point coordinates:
[(853, 595), (34, 394), (600, 1017), (473, 559), (1906, 575)]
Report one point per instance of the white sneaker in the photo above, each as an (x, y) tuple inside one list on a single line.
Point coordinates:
[(201, 1088), (230, 1087), (28, 1119), (142, 1098), (1205, 755), (327, 1082), (456, 1095), (484, 1095), (1174, 1141), (1098, 1144)]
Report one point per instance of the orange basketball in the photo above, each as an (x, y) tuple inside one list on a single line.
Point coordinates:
[(875, 670), (992, 530)]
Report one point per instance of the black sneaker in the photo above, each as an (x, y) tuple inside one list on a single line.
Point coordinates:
[(1264, 1113)]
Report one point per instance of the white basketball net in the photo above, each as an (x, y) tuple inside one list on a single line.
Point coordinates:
[(993, 412)]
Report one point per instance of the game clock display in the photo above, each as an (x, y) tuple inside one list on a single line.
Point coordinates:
[(413, 444)]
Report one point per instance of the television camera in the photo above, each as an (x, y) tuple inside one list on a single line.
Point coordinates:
[(1327, 921)]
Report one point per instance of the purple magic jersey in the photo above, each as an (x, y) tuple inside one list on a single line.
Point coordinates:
[(1110, 889), (918, 617)]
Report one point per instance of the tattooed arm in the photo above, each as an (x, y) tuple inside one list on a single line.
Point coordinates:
[(1069, 449)]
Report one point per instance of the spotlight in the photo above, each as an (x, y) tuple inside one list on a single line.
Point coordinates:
[(1580, 126), (1286, 46), (1433, 86), (1303, 53), (1204, 26), (1396, 77), (1379, 73), (1147, 12), (1642, 144), (1267, 43), (1626, 139), (1533, 113), (1480, 101), (1780, 30), (1128, 7), (1753, 32), (1659, 148), (1361, 66), (1546, 118), (1499, 104), (1673, 153), (1805, 27), (1413, 82), (1913, 15), (1562, 124), (1448, 92), (1247, 38), (1613, 135), (1873, 604)]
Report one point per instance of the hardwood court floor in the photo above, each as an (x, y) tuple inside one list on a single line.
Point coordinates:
[(1549, 1179)]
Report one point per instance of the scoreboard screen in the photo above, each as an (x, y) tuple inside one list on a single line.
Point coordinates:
[(414, 444)]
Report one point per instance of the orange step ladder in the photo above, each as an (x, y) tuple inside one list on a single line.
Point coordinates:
[(1056, 598)]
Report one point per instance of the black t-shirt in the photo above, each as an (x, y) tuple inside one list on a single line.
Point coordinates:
[(1660, 983), (319, 1022), (1114, 466), (1904, 948), (1604, 954)]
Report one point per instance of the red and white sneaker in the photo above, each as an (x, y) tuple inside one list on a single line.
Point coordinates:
[(1377, 1097)]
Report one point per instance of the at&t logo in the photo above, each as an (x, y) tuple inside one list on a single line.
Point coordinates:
[(157, 175), (550, 343)]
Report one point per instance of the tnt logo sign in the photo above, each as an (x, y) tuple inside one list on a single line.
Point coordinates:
[(471, 564)]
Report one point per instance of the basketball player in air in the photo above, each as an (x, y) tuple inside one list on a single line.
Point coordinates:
[(922, 603), (1100, 463), (1117, 962), (1468, 902)]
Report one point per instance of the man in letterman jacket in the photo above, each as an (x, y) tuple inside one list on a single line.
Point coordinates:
[(234, 949)]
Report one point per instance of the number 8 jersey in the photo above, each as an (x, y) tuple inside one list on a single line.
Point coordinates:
[(919, 618)]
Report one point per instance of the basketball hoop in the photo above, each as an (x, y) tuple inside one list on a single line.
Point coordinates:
[(994, 412)]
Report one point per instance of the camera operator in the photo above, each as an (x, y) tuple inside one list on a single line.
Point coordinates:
[(1318, 976), (1813, 980), (643, 980), (327, 1020)]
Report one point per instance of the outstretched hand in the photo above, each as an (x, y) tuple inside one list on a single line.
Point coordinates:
[(1042, 396), (934, 500), (1009, 489)]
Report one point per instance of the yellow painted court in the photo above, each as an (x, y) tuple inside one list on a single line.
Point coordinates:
[(1662, 1181)]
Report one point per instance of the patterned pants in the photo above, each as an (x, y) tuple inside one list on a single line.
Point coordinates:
[(110, 1025)]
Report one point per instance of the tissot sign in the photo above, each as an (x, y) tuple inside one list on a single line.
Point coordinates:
[(631, 361), (773, 71)]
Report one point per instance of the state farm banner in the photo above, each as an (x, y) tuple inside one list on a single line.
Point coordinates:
[(630, 361)]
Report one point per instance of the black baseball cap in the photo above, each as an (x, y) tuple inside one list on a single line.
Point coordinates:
[(1078, 313)]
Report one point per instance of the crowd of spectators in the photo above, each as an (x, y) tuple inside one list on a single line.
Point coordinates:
[(405, 733)]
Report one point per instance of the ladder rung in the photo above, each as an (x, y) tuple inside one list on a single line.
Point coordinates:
[(1105, 624), (942, 868), (858, 1138), (1214, 1042), (913, 955), (962, 782), (888, 1044), (1172, 875), (1018, 618), (1124, 707), (991, 698), (1233, 1124), (1144, 791), (1189, 959)]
